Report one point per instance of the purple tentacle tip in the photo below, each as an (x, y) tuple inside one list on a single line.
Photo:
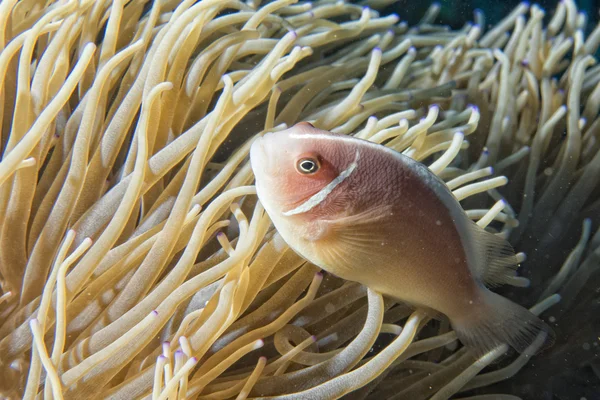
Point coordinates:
[(155, 312), (377, 49)]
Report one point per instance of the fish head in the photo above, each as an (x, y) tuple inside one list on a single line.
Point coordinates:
[(320, 191), (294, 171)]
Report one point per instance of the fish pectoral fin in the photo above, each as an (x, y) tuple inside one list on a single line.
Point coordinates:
[(359, 240), (361, 222)]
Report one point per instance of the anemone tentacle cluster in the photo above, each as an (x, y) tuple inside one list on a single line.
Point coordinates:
[(135, 260)]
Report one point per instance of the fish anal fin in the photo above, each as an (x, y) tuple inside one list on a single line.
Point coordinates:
[(496, 262)]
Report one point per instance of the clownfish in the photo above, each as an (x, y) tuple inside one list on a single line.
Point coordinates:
[(369, 214)]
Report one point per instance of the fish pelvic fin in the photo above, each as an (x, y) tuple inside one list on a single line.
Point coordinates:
[(496, 262), (499, 321)]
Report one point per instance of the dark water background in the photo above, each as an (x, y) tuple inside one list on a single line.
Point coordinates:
[(455, 13)]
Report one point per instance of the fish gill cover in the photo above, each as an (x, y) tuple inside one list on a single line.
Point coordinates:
[(135, 260)]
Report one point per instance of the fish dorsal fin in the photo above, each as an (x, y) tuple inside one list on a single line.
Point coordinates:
[(495, 262)]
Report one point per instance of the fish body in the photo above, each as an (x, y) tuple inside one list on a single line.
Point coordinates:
[(369, 214)]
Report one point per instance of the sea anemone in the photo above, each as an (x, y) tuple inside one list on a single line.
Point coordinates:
[(136, 261)]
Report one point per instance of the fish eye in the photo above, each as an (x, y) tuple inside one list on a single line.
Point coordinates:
[(307, 166)]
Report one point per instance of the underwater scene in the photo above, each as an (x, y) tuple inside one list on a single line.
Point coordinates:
[(332, 199)]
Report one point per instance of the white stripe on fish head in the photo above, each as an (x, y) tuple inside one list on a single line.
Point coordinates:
[(322, 194)]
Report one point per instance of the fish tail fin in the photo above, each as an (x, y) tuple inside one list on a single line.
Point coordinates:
[(499, 321)]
